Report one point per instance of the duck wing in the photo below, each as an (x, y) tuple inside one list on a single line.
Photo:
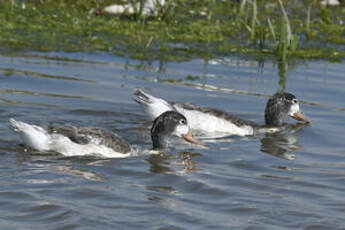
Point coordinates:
[(87, 135), (214, 112)]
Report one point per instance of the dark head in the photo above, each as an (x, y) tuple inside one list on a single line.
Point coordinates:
[(279, 106), (170, 123)]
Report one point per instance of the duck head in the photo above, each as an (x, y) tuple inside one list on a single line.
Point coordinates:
[(167, 124), (279, 106)]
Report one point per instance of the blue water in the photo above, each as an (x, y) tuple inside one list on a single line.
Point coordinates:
[(294, 179)]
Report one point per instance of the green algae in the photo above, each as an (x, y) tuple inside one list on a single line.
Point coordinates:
[(189, 29)]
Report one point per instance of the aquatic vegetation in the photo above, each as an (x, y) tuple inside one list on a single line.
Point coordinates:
[(184, 29)]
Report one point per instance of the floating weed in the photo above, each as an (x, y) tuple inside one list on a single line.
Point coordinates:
[(252, 13), (192, 78), (307, 24), (254, 28), (254, 20), (262, 36), (282, 49), (242, 5), (325, 15), (287, 42), (271, 28)]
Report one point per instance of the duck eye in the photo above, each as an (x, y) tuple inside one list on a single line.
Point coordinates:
[(183, 121), (294, 101)]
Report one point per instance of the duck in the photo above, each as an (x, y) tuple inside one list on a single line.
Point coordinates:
[(212, 122), (149, 8), (92, 141)]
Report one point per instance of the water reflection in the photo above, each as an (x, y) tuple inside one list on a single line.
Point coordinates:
[(283, 69), (187, 161), (86, 174), (147, 65), (183, 163), (48, 162), (283, 144), (159, 163)]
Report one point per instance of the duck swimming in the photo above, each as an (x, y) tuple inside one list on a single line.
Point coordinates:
[(208, 121), (86, 141)]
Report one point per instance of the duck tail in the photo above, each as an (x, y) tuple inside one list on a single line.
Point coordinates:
[(143, 98), (153, 106)]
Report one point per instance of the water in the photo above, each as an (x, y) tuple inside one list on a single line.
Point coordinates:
[(290, 180)]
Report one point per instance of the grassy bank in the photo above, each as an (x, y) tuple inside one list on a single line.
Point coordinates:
[(187, 29)]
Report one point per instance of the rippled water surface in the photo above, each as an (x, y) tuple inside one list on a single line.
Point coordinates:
[(294, 179)]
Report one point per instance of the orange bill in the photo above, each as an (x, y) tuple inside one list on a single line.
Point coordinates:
[(190, 138), (300, 117)]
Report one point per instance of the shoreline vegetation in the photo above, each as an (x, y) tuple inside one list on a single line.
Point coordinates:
[(182, 30)]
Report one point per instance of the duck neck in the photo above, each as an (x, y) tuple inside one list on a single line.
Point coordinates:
[(159, 141), (274, 119)]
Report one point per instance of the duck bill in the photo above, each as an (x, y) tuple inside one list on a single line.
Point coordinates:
[(299, 116), (190, 138)]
